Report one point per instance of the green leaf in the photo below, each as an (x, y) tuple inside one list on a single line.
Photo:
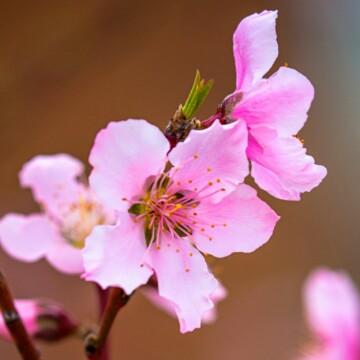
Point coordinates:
[(198, 93)]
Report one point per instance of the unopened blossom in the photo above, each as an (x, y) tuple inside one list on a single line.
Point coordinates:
[(171, 208), (274, 109), (28, 311), (69, 213), (163, 304), (332, 305), (43, 320)]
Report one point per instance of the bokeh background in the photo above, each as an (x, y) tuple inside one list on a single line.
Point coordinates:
[(69, 67)]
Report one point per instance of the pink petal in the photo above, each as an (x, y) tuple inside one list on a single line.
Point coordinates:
[(52, 179), (27, 237), (184, 279), (65, 257), (28, 311), (255, 48), (211, 159), (333, 307), (124, 155), (241, 222), (280, 102), (167, 306), (113, 255), (281, 166), (218, 295)]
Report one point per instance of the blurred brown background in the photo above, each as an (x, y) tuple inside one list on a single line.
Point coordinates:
[(69, 67)]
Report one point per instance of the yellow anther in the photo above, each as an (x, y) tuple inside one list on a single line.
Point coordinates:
[(218, 180), (209, 169), (158, 248), (191, 254), (210, 183), (176, 208)]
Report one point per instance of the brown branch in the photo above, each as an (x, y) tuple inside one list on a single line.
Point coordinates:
[(14, 323), (95, 342)]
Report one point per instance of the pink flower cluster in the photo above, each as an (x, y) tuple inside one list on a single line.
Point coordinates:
[(332, 306), (152, 211)]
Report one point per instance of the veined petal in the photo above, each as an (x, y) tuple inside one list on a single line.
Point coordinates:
[(27, 237), (281, 166), (114, 255), (124, 155), (240, 222), (183, 279), (255, 48), (211, 159), (52, 179), (280, 102)]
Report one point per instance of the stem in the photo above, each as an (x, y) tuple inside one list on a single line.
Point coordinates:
[(14, 323), (103, 296), (94, 343)]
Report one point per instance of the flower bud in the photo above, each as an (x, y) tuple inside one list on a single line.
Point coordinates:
[(43, 319)]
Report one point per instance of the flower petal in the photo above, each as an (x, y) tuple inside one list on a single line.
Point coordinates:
[(241, 222), (281, 166), (211, 159), (167, 306), (52, 178), (280, 102), (333, 306), (183, 279), (113, 255), (65, 258), (27, 237), (255, 48), (124, 155)]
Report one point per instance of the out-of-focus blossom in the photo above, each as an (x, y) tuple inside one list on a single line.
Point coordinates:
[(43, 320), (170, 208), (274, 109), (208, 317), (332, 306), (69, 213)]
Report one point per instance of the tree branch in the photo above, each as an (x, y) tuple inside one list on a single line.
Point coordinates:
[(14, 323), (95, 342)]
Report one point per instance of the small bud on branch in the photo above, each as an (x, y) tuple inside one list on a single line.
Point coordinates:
[(14, 323)]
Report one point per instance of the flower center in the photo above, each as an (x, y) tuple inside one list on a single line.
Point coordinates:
[(80, 219), (165, 208)]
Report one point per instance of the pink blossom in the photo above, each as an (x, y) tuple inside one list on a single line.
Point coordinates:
[(69, 213), (170, 208), (333, 311), (28, 311), (274, 109)]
